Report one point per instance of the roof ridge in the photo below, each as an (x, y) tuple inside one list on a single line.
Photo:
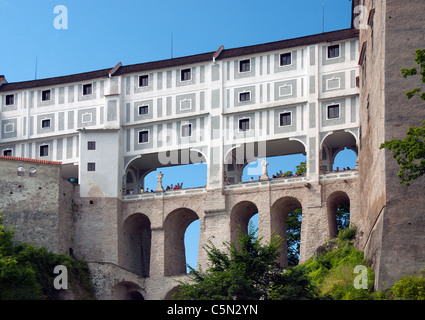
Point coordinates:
[(56, 163)]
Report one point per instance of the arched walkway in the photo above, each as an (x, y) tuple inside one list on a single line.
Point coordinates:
[(278, 217), (175, 226), (136, 244)]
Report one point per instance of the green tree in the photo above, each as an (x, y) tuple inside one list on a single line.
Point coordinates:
[(410, 152), (243, 272), (293, 236), (301, 168)]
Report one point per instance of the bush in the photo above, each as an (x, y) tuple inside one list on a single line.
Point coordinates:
[(410, 287), (26, 272)]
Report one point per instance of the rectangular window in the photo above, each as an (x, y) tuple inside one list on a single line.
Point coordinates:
[(143, 110), (45, 123), (245, 65), (91, 166), (143, 81), (10, 99), (91, 145), (87, 89), (186, 130), (285, 59), (244, 96), (333, 111), (144, 136), (45, 95), (185, 74), (44, 151), (285, 119), (243, 124), (333, 51), (7, 153)]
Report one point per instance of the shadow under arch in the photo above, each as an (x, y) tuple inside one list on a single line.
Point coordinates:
[(335, 200), (136, 244), (175, 226), (278, 214), (240, 215), (126, 291)]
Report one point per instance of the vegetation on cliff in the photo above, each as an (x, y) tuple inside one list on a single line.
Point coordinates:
[(27, 272), (337, 271)]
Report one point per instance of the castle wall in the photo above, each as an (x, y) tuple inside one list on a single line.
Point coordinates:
[(37, 203), (393, 213)]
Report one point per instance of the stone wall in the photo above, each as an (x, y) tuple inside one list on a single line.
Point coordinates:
[(36, 201)]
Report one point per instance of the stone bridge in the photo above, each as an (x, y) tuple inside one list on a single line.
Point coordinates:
[(151, 228)]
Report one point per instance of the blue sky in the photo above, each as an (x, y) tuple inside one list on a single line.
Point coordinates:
[(102, 33)]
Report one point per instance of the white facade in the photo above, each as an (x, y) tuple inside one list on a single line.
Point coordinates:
[(210, 104)]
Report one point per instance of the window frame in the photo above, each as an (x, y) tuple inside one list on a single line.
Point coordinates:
[(333, 105), (7, 97), (182, 130), (91, 145), (142, 107), (244, 120), (4, 151), (242, 63), (44, 93), (43, 121), (185, 71), (44, 147), (244, 93), (139, 132), (280, 59), (328, 48), (141, 81), (91, 166), (85, 86), (280, 119)]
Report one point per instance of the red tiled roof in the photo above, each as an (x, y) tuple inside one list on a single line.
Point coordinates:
[(56, 163)]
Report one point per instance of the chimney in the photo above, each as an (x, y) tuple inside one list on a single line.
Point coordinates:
[(2, 80)]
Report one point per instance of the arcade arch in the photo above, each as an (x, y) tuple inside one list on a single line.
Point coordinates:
[(136, 244), (239, 156), (240, 215), (336, 201), (332, 144), (279, 213), (175, 226), (126, 291)]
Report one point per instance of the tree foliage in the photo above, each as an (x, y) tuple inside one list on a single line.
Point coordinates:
[(410, 152), (26, 272), (247, 271)]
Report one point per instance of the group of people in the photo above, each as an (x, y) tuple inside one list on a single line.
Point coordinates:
[(176, 187), (343, 169)]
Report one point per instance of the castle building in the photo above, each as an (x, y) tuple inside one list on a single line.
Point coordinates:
[(110, 128)]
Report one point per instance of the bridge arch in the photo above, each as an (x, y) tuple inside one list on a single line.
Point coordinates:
[(335, 200), (278, 215), (127, 290), (175, 226), (240, 215), (136, 244)]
